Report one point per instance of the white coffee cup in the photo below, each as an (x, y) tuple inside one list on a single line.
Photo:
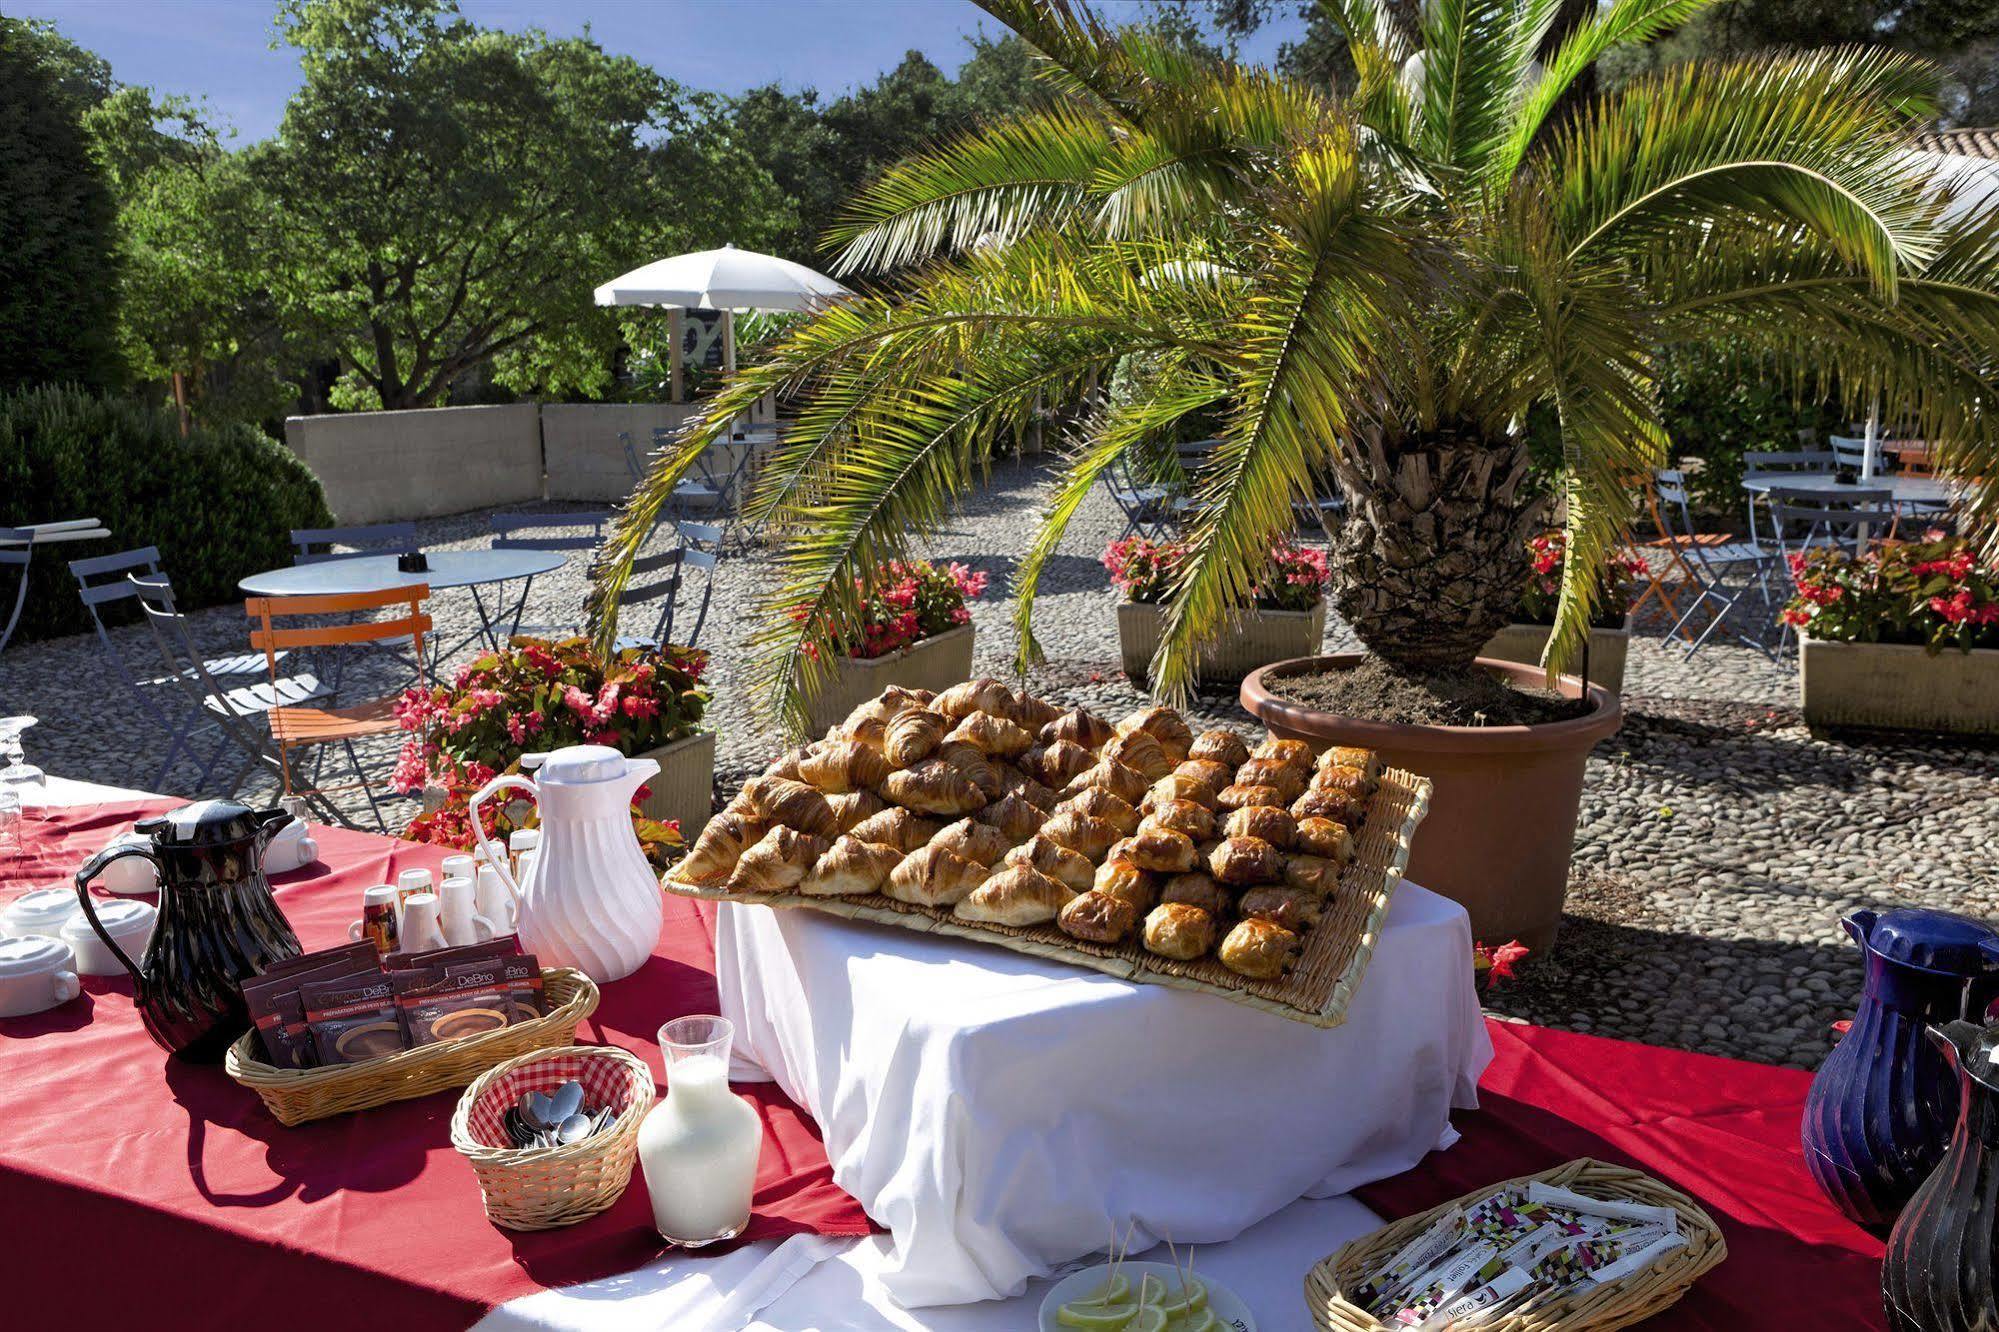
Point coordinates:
[(409, 883), (382, 897), (457, 867), (420, 930), (495, 902), (462, 923), (36, 972)]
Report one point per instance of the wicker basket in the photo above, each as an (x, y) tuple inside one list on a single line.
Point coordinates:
[(540, 1188), (1600, 1309), (297, 1095)]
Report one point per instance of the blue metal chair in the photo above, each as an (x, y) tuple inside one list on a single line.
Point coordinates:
[(700, 547), (1850, 452), (1148, 506), (319, 544), (1711, 568), (1815, 462), (714, 491), (633, 463), (558, 532)]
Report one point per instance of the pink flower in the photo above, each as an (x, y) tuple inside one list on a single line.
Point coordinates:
[(517, 730), (636, 705), (410, 773)]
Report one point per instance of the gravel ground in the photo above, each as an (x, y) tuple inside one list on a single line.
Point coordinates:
[(1719, 842)]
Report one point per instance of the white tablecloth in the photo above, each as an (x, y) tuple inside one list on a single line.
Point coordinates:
[(998, 1113)]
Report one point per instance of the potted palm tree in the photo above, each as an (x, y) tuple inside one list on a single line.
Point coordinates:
[(1375, 286)]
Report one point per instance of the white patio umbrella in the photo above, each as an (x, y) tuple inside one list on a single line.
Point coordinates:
[(728, 280)]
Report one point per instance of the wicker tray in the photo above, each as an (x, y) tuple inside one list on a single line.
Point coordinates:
[(296, 1095), (1317, 990), (1601, 1309)]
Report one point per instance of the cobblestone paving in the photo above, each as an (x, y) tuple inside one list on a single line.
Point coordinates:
[(1719, 842)]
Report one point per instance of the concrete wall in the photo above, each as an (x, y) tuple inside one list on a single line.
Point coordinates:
[(585, 459), (384, 466)]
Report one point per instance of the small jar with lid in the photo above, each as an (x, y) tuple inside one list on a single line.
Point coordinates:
[(44, 911), (36, 973), (130, 925)]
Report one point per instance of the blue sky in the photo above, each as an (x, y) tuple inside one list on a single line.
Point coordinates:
[(221, 49)]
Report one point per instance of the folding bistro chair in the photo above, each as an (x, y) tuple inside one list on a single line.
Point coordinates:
[(633, 463), (1710, 567), (1850, 452), (316, 545), (661, 578), (1813, 462), (558, 532), (713, 490), (1147, 508), (298, 727)]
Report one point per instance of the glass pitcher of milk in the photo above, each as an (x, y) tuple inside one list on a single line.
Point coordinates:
[(699, 1146)]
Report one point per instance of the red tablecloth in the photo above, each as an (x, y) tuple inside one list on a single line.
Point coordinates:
[(1722, 1131), (135, 1188)]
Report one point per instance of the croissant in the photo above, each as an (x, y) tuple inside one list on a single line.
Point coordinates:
[(1242, 861), (972, 764), (777, 862), (870, 731), (1179, 931), (1126, 882), (1162, 850), (1195, 820), (1349, 756), (787, 763), (1015, 896), (896, 827), (1174, 786), (1342, 809), (1258, 949), (1288, 781), (1313, 874), (1120, 849), (1056, 763), (718, 848), (1324, 838), (913, 736), (1097, 918), (933, 787), (1031, 712), (1127, 784), (1265, 822), (1221, 746), (976, 842), (1015, 818), (853, 807), (961, 700), (850, 867), (845, 765), (1078, 727), (883, 707), (996, 737), (1014, 782), (1240, 796), (1101, 804), (1295, 753), (1081, 833), (933, 876), (1347, 781), (1165, 725), (1293, 908), (795, 805), (1136, 749), (1198, 890), (1208, 773), (1055, 860)]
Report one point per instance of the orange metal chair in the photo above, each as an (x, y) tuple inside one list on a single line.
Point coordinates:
[(304, 727), (1661, 583)]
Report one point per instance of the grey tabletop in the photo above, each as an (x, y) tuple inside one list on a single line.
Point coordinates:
[(1904, 489), (375, 573)]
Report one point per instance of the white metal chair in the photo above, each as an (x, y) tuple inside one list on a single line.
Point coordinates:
[(1712, 570)]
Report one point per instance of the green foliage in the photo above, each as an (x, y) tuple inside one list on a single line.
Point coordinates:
[(219, 504), (58, 269), (1718, 404)]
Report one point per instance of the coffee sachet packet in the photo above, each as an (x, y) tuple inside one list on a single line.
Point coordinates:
[(353, 1020), (278, 1010)]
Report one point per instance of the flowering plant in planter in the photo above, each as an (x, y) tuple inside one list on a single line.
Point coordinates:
[(1294, 580), (1938, 592), (537, 695), (1548, 552), (909, 602)]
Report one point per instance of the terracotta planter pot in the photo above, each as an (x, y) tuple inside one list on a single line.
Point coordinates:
[(933, 663), (1254, 638), (1899, 686), (1502, 819), (1525, 643), (685, 787)]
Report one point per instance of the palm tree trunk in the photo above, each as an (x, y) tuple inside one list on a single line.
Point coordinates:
[(1432, 558)]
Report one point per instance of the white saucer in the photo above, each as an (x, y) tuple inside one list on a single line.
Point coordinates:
[(1231, 1312)]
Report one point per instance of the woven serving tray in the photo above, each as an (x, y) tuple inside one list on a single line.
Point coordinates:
[(1604, 1308), (297, 1095), (1317, 990)]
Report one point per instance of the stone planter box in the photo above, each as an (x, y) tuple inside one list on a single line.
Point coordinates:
[(1899, 686), (1526, 642), (1254, 638), (932, 663), (685, 787)]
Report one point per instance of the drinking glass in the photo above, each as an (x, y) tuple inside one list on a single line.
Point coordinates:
[(10, 822), (15, 770)]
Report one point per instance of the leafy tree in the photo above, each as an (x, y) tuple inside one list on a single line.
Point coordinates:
[(1381, 286), (58, 265)]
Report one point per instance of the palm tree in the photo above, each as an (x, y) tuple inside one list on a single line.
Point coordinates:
[(1377, 286)]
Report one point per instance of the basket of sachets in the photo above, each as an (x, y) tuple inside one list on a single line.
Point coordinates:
[(1586, 1247)]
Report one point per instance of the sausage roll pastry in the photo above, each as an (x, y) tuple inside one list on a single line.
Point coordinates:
[(1128, 883), (1293, 908), (1179, 931), (1259, 949), (1244, 861), (1162, 850), (1097, 918), (1222, 746)]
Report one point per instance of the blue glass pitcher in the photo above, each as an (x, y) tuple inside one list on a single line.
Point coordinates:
[(1882, 1107)]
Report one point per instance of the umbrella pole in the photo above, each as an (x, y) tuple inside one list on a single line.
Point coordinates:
[(676, 336)]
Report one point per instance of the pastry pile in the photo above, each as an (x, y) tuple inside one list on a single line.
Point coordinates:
[(998, 807)]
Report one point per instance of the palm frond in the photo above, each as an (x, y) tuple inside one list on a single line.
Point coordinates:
[(1475, 54)]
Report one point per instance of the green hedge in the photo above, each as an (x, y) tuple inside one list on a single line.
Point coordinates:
[(219, 504)]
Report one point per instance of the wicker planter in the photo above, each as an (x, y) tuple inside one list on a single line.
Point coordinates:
[(1526, 642), (684, 790), (1899, 686), (933, 663), (1254, 638)]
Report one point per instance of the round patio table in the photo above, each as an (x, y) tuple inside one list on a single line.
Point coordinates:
[(1903, 491), (378, 573)]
